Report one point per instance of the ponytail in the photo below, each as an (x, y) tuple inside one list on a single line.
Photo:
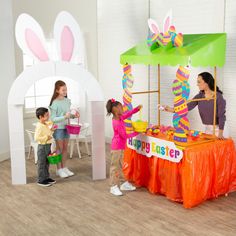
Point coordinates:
[(110, 104)]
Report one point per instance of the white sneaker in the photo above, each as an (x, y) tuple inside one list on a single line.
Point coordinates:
[(127, 186), (115, 191), (68, 172), (61, 173)]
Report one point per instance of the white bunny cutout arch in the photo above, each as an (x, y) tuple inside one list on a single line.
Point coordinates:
[(70, 64)]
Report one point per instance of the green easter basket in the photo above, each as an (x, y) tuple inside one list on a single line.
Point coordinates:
[(55, 159)]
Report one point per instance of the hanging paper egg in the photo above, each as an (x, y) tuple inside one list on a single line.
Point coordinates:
[(127, 69), (180, 106), (185, 90), (177, 87), (129, 81), (183, 73), (124, 79), (127, 97), (184, 123), (175, 120)]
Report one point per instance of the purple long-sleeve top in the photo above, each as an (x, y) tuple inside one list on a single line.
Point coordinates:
[(206, 109)]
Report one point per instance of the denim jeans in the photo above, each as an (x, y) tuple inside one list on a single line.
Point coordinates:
[(43, 164)]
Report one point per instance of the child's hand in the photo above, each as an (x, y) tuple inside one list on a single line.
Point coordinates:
[(77, 115), (67, 115), (54, 127), (161, 107), (168, 109), (140, 107), (49, 137)]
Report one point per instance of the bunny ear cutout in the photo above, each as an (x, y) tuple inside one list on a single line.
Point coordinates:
[(167, 21), (153, 26), (69, 40), (30, 37)]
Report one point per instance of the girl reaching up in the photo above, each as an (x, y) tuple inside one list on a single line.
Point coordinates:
[(118, 145)]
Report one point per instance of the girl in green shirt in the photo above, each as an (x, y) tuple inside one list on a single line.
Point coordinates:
[(60, 113)]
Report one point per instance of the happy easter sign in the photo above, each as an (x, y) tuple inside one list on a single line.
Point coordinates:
[(150, 146)]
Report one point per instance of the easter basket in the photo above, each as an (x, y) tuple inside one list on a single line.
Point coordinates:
[(54, 158), (73, 128), (140, 126)]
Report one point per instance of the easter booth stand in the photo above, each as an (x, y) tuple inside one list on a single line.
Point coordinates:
[(186, 166)]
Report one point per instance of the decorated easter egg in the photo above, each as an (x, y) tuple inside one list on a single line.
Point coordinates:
[(177, 87), (166, 38), (180, 136), (127, 69), (185, 90), (124, 79), (130, 81), (184, 123), (159, 39), (183, 73), (128, 123), (175, 120), (180, 106), (151, 39), (172, 30), (125, 108), (179, 39), (127, 96)]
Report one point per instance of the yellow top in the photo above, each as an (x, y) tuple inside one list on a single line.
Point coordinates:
[(43, 133)]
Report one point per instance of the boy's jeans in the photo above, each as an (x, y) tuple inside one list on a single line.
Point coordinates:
[(43, 164)]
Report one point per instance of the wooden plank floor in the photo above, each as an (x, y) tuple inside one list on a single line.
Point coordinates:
[(80, 206)]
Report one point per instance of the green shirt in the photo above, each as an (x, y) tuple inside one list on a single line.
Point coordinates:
[(58, 110)]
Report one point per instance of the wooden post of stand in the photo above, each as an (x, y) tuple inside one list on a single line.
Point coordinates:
[(215, 97), (159, 92)]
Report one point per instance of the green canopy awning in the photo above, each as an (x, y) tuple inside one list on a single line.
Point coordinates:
[(203, 50)]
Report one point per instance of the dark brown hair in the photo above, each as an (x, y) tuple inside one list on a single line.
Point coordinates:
[(41, 111), (110, 104), (208, 78), (58, 84)]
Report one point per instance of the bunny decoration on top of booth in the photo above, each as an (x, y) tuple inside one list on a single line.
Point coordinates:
[(166, 36), (67, 36)]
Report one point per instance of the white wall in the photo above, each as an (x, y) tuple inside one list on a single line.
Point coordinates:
[(121, 25), (7, 68), (230, 65)]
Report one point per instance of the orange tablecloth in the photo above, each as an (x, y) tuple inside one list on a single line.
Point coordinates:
[(205, 171)]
